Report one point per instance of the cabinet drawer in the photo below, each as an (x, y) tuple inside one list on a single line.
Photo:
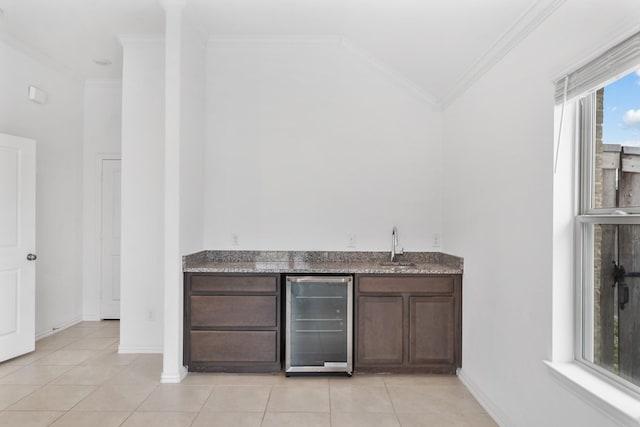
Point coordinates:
[(222, 283), (234, 311), (234, 346), (406, 284)]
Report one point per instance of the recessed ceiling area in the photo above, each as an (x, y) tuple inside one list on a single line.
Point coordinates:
[(437, 46)]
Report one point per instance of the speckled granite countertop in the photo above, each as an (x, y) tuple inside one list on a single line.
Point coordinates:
[(320, 262)]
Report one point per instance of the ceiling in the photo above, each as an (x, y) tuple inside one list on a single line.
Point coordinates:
[(437, 46)]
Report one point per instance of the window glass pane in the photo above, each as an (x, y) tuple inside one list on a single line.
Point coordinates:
[(616, 174), (611, 311)]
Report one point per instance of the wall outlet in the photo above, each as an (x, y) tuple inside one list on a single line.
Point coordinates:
[(151, 315), (235, 241), (435, 242), (351, 240)]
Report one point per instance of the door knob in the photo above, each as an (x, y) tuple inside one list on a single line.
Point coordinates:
[(32, 257)]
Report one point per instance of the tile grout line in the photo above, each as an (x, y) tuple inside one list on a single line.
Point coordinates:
[(96, 387), (201, 406), (40, 386), (264, 413), (330, 405), (395, 413), (78, 402)]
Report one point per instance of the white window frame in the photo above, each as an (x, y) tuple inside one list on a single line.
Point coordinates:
[(601, 389), (587, 217)]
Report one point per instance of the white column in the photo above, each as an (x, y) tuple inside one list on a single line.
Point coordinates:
[(173, 370)]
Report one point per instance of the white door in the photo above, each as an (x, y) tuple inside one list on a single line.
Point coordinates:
[(17, 245), (110, 240)]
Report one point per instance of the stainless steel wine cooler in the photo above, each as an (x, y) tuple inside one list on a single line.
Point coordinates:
[(319, 331)]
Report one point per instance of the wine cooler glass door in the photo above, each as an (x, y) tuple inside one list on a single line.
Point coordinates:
[(319, 326)]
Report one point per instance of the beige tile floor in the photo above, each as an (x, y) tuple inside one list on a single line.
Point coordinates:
[(77, 378)]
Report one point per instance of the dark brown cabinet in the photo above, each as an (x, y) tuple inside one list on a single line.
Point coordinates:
[(232, 322), (402, 322), (380, 316), (408, 323)]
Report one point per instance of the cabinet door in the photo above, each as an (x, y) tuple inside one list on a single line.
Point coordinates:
[(432, 330), (380, 330)]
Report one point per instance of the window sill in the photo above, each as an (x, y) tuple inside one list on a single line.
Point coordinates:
[(621, 405)]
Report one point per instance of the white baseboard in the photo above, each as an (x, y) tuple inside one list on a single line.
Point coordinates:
[(484, 400), (91, 318), (173, 378), (141, 349), (58, 328)]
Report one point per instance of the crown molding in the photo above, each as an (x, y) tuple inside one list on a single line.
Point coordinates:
[(341, 42), (395, 76), (526, 23), (40, 56)]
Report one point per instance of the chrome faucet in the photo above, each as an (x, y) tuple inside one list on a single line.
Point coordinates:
[(394, 245)]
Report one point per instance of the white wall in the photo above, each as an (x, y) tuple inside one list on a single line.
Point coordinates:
[(307, 142), (498, 200), (57, 129), (142, 278), (102, 132)]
